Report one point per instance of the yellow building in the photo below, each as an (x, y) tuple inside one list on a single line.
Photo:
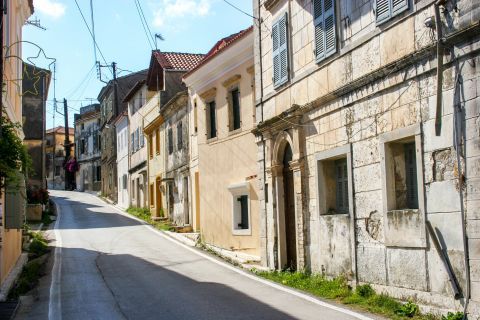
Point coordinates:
[(17, 13), (223, 113)]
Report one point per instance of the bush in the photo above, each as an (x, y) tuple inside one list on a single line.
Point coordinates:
[(365, 291), (38, 246), (37, 195), (453, 316), (409, 309)]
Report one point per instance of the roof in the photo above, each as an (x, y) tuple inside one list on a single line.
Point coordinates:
[(169, 61), (61, 129), (134, 89), (219, 47), (178, 61)]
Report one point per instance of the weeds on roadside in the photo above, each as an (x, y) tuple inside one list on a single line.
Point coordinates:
[(145, 215), (363, 297), (38, 245), (453, 316)]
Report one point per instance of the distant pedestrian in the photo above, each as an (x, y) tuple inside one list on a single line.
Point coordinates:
[(71, 167)]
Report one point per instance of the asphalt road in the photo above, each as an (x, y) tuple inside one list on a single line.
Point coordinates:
[(109, 266)]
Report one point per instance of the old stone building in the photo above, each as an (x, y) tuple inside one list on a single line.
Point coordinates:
[(123, 159), (363, 145), (221, 95), (111, 105), (87, 148), (35, 84), (55, 156)]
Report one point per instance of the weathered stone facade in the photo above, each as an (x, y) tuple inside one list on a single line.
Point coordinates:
[(365, 119), (87, 148)]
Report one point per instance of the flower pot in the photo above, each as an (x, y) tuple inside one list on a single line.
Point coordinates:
[(34, 212)]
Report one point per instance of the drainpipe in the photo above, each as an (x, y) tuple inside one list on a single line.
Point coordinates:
[(438, 25), (259, 21)]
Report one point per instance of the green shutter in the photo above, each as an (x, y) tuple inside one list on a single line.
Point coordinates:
[(411, 175), (325, 31), (399, 6), (319, 33), (243, 211), (329, 23), (15, 203), (213, 120), (236, 109)]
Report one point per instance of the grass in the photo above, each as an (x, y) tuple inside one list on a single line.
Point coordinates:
[(145, 215), (363, 297)]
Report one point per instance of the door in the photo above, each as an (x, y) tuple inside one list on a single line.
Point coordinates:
[(289, 207), (186, 211), (158, 198)]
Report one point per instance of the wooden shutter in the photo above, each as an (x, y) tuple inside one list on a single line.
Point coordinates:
[(280, 51), (325, 29), (15, 203), (170, 141), (243, 211), (179, 136), (236, 109), (213, 120), (382, 10), (399, 6), (411, 175), (341, 180)]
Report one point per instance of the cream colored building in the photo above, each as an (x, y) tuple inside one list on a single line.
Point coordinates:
[(358, 151), (18, 11), (223, 112)]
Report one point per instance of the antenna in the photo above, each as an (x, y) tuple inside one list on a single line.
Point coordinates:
[(159, 37), (36, 23)]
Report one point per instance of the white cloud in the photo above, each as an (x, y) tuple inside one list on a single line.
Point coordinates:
[(52, 8), (171, 9)]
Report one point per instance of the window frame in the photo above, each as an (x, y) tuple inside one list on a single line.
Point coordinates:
[(236, 191)]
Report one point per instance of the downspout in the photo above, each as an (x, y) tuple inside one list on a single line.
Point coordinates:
[(438, 25), (265, 191)]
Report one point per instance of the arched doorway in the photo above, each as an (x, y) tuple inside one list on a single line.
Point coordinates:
[(290, 261)]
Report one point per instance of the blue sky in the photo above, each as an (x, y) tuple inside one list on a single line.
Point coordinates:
[(187, 26)]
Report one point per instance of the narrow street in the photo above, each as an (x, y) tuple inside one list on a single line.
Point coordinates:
[(110, 266)]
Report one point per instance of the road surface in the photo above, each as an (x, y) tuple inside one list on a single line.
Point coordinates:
[(108, 265)]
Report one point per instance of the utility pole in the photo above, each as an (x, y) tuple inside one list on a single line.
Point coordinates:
[(115, 88), (66, 145)]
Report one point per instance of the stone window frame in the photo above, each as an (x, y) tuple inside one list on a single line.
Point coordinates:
[(236, 190), (341, 152), (411, 237)]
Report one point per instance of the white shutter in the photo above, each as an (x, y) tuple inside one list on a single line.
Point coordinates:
[(382, 10), (276, 53)]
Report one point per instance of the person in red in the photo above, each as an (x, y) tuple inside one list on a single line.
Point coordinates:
[(71, 167)]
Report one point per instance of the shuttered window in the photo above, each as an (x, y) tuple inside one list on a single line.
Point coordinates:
[(411, 175), (170, 141), (235, 109), (179, 136), (341, 184), (280, 51), (325, 31), (386, 9), (211, 120), (243, 200)]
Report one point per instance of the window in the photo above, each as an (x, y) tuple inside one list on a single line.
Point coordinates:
[(150, 146), (124, 184), (386, 9), (195, 119), (157, 141), (240, 208), (83, 126), (170, 141), (325, 33), (82, 146), (132, 142), (179, 136), (234, 121), (135, 140), (333, 181), (152, 195), (99, 173), (280, 51), (211, 120)]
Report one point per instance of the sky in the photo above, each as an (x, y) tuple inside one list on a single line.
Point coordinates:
[(186, 26)]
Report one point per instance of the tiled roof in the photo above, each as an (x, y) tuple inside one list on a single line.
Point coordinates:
[(220, 46), (178, 60), (61, 129)]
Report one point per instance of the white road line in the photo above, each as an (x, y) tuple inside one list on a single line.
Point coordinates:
[(246, 274), (55, 302)]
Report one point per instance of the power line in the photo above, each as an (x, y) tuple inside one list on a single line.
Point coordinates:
[(238, 9), (93, 31), (91, 34), (148, 34)]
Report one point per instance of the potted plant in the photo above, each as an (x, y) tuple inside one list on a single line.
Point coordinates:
[(37, 198)]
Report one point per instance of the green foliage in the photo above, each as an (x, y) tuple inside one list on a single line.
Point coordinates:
[(145, 215), (39, 245), (13, 154), (28, 279), (453, 316), (365, 291), (363, 297), (46, 217), (409, 309)]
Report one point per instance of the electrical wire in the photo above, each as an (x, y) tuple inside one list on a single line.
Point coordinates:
[(148, 32), (240, 10)]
